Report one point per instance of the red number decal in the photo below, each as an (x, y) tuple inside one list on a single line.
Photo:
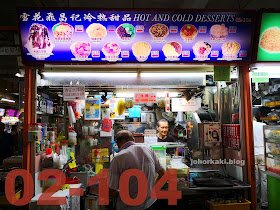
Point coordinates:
[(124, 187), (172, 194), (103, 189), (45, 198), (28, 187)]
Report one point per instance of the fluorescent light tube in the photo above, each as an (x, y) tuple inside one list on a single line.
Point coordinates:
[(88, 75), (159, 74), (7, 100)]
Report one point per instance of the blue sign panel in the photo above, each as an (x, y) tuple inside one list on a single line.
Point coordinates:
[(135, 36)]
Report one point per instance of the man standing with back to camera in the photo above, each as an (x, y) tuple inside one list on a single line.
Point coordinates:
[(132, 156)]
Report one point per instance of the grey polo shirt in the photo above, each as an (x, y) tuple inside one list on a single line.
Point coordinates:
[(134, 157)]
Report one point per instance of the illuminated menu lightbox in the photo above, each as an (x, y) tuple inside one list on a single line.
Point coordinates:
[(135, 36), (269, 40)]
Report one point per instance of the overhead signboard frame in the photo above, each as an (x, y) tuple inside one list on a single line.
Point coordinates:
[(83, 36)]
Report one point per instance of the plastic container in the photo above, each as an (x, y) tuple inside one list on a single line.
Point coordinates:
[(91, 130), (72, 138), (54, 128), (72, 180), (135, 112), (52, 146), (48, 151), (161, 154), (52, 135), (231, 206), (68, 152), (64, 143), (35, 132), (98, 167), (85, 130), (38, 147)]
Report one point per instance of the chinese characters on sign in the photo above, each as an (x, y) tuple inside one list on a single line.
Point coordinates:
[(134, 36), (73, 93)]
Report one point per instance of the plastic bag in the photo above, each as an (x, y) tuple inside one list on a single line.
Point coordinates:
[(107, 125), (72, 118)]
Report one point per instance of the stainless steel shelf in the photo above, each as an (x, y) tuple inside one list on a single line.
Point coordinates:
[(273, 156), (271, 140), (277, 176)]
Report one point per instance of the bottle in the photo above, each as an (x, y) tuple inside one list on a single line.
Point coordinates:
[(52, 145), (54, 128), (38, 149)]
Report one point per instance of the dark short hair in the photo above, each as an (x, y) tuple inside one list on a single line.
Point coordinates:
[(162, 120), (124, 135)]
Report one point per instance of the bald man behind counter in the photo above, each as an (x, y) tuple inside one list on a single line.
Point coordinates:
[(132, 156)]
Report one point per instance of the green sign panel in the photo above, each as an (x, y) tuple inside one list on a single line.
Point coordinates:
[(269, 40), (260, 77), (221, 73)]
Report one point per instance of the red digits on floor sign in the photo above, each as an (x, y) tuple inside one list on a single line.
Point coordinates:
[(45, 198), (172, 194), (124, 187), (103, 188), (27, 184)]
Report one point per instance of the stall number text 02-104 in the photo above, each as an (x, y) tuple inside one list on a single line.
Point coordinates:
[(102, 178)]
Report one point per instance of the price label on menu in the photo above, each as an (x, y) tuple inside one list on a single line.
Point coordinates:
[(95, 53), (214, 53), (112, 58), (97, 40), (79, 28), (139, 28), (202, 29), (154, 54), (125, 54), (111, 28), (232, 29), (186, 53), (173, 29), (158, 39), (243, 53)]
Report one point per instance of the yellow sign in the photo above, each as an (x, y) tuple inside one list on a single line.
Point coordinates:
[(103, 156)]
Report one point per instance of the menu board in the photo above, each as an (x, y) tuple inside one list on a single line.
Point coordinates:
[(135, 36), (269, 40)]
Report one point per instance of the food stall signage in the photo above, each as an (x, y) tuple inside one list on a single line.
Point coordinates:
[(260, 77), (73, 93), (145, 97), (183, 105), (269, 39), (221, 73), (134, 36)]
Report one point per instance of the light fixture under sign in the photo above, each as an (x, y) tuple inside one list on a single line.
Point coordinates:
[(7, 100)]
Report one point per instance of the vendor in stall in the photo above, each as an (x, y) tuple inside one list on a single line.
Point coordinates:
[(132, 156), (162, 136)]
